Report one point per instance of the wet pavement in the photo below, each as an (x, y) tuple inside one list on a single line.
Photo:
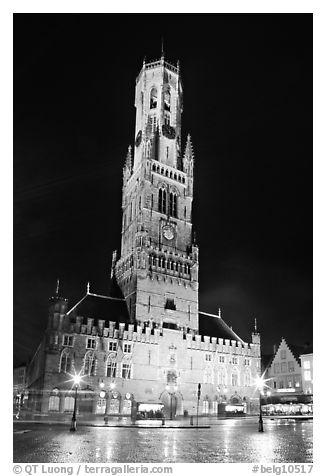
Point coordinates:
[(226, 441)]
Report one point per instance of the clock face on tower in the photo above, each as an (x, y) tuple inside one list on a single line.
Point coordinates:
[(168, 232)]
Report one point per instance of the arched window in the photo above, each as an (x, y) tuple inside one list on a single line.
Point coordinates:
[(162, 200), (69, 404), (89, 363), (167, 100), (234, 379), (54, 403), (173, 205), (65, 362), (153, 99), (111, 366)]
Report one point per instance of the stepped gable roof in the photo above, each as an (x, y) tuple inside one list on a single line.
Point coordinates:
[(214, 326), (97, 306)]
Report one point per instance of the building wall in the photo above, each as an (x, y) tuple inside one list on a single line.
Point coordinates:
[(162, 361), (307, 371)]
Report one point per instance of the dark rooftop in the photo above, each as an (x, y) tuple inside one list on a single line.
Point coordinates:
[(214, 326), (101, 307)]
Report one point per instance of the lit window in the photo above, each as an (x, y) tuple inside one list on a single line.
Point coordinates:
[(68, 340), (291, 366), (112, 346), (306, 364), (127, 348), (65, 362), (234, 380), (153, 99), (111, 368), (126, 370), (205, 406), (307, 375), (167, 100), (90, 343), (89, 364)]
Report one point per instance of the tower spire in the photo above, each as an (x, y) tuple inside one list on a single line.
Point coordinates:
[(129, 158), (57, 288), (162, 47), (255, 326)]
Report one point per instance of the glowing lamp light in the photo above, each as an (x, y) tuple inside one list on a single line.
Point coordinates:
[(102, 394), (260, 383), (102, 384), (77, 379), (112, 385)]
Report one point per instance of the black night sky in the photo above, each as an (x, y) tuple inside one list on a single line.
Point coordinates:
[(248, 107)]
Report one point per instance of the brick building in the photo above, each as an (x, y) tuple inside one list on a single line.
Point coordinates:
[(148, 342)]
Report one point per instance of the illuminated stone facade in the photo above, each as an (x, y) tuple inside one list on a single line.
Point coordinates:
[(151, 344)]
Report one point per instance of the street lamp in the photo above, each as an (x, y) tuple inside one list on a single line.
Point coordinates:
[(260, 384), (76, 380)]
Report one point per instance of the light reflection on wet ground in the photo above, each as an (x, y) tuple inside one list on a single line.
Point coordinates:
[(226, 441)]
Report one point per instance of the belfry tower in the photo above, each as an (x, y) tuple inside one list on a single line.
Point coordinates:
[(158, 268)]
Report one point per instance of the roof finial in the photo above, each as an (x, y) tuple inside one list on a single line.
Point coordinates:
[(57, 288), (88, 287), (219, 312), (255, 326), (162, 48)]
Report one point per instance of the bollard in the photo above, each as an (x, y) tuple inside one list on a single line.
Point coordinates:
[(191, 421), (163, 421), (106, 419)]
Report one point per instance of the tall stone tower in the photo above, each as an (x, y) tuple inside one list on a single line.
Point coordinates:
[(158, 268)]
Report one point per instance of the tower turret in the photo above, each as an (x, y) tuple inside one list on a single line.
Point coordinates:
[(158, 268)]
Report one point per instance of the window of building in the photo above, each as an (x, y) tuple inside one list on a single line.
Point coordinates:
[(89, 364), (205, 406), (126, 370), (69, 404), (153, 99), (297, 384), (208, 357), (307, 375), (247, 361), (65, 362), (234, 360), (167, 100), (162, 200), (289, 384), (111, 368), (281, 385), (283, 367), (222, 359), (90, 343), (283, 354), (173, 205), (68, 340), (170, 304), (274, 384), (234, 380), (247, 379), (291, 366), (276, 368), (54, 401), (112, 346), (306, 364), (127, 348)]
